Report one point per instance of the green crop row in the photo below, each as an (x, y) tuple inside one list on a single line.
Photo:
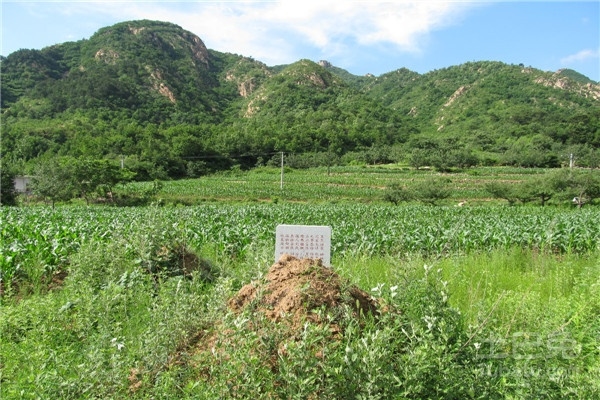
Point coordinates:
[(46, 237), (362, 184)]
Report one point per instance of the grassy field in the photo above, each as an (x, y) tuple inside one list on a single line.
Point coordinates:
[(472, 302)]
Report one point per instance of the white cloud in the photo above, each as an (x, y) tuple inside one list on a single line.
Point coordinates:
[(274, 32), (582, 56)]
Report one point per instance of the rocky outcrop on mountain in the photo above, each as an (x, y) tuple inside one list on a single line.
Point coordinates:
[(558, 80)]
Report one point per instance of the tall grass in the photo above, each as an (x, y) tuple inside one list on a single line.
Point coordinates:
[(504, 324), (533, 317), (550, 285)]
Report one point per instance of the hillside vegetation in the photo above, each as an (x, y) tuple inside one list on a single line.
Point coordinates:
[(152, 94)]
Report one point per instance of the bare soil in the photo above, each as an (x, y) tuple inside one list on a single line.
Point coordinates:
[(295, 288)]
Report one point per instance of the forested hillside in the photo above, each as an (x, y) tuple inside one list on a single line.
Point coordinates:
[(152, 94)]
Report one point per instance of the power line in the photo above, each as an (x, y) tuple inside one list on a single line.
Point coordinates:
[(230, 156)]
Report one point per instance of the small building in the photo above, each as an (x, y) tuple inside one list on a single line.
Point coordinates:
[(22, 184)]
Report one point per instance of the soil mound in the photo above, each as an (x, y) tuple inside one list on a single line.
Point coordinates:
[(293, 292), (294, 289)]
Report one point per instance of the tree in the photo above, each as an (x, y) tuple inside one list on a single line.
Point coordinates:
[(97, 177), (67, 178), (53, 180), (587, 183), (541, 189), (7, 188), (579, 186), (532, 151), (419, 158), (463, 158), (502, 190)]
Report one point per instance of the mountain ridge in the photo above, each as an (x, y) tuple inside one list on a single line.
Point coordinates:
[(160, 80)]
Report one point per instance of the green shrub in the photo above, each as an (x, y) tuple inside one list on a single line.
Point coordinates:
[(397, 193), (432, 190)]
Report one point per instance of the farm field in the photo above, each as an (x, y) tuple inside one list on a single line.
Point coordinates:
[(153, 302), (365, 184)]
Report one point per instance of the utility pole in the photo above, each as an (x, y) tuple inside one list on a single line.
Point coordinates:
[(281, 185), (571, 161)]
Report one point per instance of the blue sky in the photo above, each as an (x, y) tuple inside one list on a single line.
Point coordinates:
[(360, 36)]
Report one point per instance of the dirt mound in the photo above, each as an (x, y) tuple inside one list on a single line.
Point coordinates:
[(293, 292), (295, 288)]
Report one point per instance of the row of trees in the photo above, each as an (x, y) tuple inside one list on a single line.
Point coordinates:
[(429, 191), (445, 155), (564, 185), (66, 178), (578, 187)]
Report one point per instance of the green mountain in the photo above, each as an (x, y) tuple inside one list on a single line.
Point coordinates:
[(145, 70), (305, 108), (493, 105), (153, 93)]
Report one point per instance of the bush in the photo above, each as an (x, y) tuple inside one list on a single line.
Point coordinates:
[(429, 191), (397, 193), (432, 190)]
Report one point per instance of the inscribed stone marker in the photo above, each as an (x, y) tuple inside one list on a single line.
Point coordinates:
[(304, 241)]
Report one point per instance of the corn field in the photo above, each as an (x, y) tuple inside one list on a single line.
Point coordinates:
[(47, 237)]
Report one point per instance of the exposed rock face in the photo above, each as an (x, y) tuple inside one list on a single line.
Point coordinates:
[(593, 90), (187, 39), (459, 92), (247, 75), (317, 80), (168, 45), (304, 74), (159, 85), (245, 87), (199, 50), (558, 81), (325, 64), (107, 56), (165, 91), (136, 31), (253, 106)]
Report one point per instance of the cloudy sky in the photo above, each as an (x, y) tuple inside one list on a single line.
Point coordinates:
[(360, 36)]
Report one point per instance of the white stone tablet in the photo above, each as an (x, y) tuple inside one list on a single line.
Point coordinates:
[(304, 241)]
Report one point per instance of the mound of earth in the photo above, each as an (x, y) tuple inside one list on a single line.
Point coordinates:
[(294, 289), (293, 292)]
